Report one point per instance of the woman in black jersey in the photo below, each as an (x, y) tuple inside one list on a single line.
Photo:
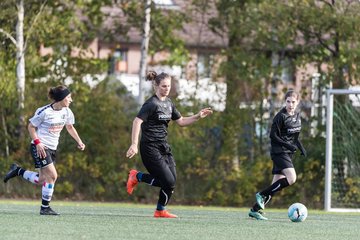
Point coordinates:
[(153, 119), (284, 136)]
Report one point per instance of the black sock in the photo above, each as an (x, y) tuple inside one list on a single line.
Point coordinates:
[(20, 171), (44, 204), (275, 187), (256, 206), (267, 199)]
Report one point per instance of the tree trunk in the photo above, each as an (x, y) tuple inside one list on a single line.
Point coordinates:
[(144, 50), (20, 62), (231, 125), (275, 64), (6, 135)]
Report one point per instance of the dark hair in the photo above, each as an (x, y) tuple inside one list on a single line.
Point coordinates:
[(58, 93), (291, 93), (156, 78)]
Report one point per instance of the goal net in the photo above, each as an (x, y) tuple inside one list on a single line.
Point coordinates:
[(342, 171)]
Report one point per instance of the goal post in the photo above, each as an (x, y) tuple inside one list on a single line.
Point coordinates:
[(342, 166)]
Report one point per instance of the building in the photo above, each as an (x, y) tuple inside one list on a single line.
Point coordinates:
[(196, 77)]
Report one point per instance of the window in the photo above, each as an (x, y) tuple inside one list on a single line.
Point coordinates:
[(164, 2), (286, 67), (168, 4), (204, 65), (287, 71), (119, 61)]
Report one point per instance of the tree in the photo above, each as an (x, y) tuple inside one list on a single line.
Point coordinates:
[(7, 99), (163, 26), (37, 24), (144, 50), (244, 71), (264, 35), (329, 41), (20, 45), (45, 24)]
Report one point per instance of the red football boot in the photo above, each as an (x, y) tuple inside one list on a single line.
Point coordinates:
[(164, 214), (132, 181)]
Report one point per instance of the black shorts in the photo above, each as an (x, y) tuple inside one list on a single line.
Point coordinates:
[(281, 161), (42, 162), (159, 162)]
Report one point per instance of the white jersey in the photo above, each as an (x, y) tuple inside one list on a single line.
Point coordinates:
[(50, 122)]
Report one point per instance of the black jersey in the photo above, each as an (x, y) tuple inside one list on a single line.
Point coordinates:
[(285, 132), (156, 115)]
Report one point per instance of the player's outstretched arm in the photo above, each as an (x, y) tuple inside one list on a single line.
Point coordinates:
[(203, 113), (72, 131)]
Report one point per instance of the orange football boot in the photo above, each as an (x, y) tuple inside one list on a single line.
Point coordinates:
[(164, 214), (132, 181)]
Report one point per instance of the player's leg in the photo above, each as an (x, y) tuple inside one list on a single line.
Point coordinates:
[(136, 177), (290, 175), (161, 167), (47, 177), (15, 170), (283, 171), (167, 178), (261, 201), (151, 156), (279, 183), (160, 175)]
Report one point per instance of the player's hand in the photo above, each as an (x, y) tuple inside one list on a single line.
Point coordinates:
[(133, 150), (40, 148), (81, 146), (205, 112)]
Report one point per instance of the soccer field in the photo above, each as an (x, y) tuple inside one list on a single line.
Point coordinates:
[(84, 220)]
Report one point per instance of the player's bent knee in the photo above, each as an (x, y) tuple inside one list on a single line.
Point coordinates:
[(170, 184), (291, 181)]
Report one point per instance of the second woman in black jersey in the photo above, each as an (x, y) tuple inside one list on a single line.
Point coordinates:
[(284, 138)]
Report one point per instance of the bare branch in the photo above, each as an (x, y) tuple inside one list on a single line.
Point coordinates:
[(33, 24), (331, 5), (9, 36), (326, 46)]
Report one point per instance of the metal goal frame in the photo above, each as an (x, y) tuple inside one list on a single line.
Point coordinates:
[(329, 148)]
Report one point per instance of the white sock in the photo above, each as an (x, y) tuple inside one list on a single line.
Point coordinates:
[(31, 176), (47, 192)]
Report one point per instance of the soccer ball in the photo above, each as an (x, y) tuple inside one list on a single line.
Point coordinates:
[(297, 212)]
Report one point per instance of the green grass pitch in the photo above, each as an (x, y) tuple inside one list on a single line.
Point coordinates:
[(84, 220)]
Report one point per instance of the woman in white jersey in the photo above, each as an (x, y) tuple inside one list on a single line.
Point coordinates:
[(44, 128)]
